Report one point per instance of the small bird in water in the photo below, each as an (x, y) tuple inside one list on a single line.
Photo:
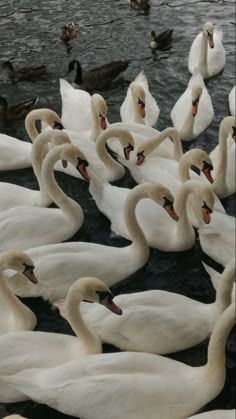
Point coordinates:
[(68, 32), (98, 77), (24, 73), (161, 41), (17, 111), (140, 4)]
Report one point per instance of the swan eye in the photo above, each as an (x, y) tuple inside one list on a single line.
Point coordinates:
[(207, 165), (29, 273), (104, 295), (209, 34), (205, 206), (195, 101), (141, 103), (168, 202), (127, 150), (58, 125)]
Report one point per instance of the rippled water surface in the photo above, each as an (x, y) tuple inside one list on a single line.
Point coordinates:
[(111, 30)]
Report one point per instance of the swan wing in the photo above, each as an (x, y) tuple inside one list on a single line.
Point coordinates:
[(14, 153), (232, 100)]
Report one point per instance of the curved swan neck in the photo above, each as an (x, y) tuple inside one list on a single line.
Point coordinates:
[(90, 343), (115, 169), (186, 132), (217, 344), (193, 157), (7, 296), (154, 142), (182, 195), (65, 203), (224, 291), (96, 128), (203, 61), (139, 240), (221, 169)]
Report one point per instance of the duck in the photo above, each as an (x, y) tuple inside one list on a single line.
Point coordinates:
[(92, 111), (16, 154), (68, 32), (19, 111), (193, 111), (98, 77), (216, 414), (25, 73), (179, 322), (139, 381), (46, 225), (231, 100), (140, 4), (207, 51), (170, 172), (13, 195), (14, 315), (161, 41), (217, 240), (60, 348), (160, 231), (57, 266), (139, 104), (216, 278), (223, 159)]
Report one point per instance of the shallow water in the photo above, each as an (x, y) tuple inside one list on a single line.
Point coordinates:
[(111, 30)]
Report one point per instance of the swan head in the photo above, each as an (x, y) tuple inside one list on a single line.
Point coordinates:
[(20, 262), (139, 97), (48, 116), (162, 196), (100, 106), (208, 29), (228, 125), (200, 159), (95, 291), (207, 199), (74, 155), (196, 94)]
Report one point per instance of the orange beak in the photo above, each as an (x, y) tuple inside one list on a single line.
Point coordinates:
[(207, 173), (171, 212), (103, 123), (206, 215), (141, 110), (194, 109), (211, 41)]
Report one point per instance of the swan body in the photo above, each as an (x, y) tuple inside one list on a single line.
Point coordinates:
[(218, 238), (14, 315), (160, 231), (216, 414), (60, 348), (139, 105), (232, 99), (16, 154), (207, 52), (45, 225), (130, 384), (171, 173), (112, 264), (179, 322), (14, 195), (216, 277), (193, 111), (223, 158), (81, 112)]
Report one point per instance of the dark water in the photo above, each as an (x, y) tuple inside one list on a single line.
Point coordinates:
[(111, 30)]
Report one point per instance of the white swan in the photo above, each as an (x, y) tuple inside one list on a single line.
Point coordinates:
[(130, 384), (13, 195), (232, 99), (160, 231), (16, 154), (22, 350), (57, 266), (193, 111), (216, 278), (179, 322), (223, 158), (216, 414), (171, 173), (81, 112), (218, 238), (40, 226), (207, 52), (139, 105), (14, 315)]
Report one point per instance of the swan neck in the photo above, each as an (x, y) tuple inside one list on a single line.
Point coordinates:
[(90, 343), (9, 298), (154, 142), (221, 169), (139, 240), (96, 128), (187, 129), (203, 61), (65, 203), (115, 169), (181, 198), (39, 150), (224, 290)]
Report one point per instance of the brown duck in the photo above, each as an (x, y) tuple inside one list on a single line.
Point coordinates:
[(161, 41), (24, 73), (9, 113), (68, 32), (98, 77), (140, 4)]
